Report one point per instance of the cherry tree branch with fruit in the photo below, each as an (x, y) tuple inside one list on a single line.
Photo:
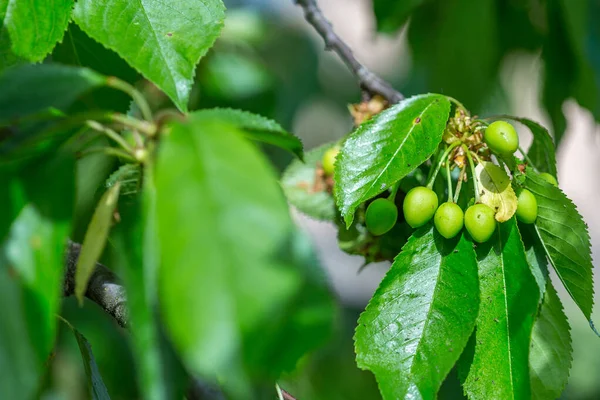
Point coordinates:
[(215, 281)]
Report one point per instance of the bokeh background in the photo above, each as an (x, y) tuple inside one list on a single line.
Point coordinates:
[(269, 61)]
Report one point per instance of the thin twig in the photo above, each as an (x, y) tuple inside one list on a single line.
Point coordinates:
[(368, 81)]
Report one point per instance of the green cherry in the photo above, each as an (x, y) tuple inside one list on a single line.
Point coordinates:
[(419, 206), (448, 220), (501, 137), (527, 208), (549, 178), (328, 160), (480, 222), (381, 216)]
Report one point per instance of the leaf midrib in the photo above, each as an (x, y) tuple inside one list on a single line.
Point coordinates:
[(393, 158), (502, 264)]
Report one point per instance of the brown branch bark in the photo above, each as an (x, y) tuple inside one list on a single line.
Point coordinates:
[(369, 82)]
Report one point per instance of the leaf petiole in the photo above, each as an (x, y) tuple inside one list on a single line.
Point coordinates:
[(110, 151), (135, 94), (111, 134)]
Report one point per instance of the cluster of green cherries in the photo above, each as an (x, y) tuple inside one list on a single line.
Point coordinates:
[(421, 203)]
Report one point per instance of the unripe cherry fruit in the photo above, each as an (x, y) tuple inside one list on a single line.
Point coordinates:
[(419, 206), (527, 208), (381, 216), (501, 137), (480, 222), (449, 219), (549, 178), (328, 160)]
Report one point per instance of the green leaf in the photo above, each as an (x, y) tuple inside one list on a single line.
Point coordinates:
[(386, 148), (222, 223), (496, 190), (566, 240), (37, 202), (138, 259), (30, 89), (7, 57), (78, 49), (304, 324), (257, 128), (163, 43), (95, 240), (536, 256), (18, 361), (542, 151), (442, 35), (35, 26), (306, 190), (421, 316), (551, 351), (95, 384), (392, 14), (129, 176), (509, 303)]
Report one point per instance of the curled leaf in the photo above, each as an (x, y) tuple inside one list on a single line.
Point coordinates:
[(496, 191)]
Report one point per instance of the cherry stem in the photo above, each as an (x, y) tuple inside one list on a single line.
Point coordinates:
[(110, 151), (98, 127), (440, 163), (135, 94), (449, 177), (461, 178), (459, 104), (392, 196), (472, 165)]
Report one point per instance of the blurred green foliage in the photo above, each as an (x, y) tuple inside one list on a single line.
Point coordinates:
[(458, 47)]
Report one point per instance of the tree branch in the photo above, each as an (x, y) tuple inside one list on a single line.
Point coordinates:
[(103, 287), (369, 82), (105, 290)]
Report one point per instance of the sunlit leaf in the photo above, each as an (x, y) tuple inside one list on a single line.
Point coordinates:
[(421, 316), (565, 239), (164, 43), (386, 148), (496, 190), (509, 304), (231, 251), (550, 358), (35, 27), (95, 239), (137, 259)]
